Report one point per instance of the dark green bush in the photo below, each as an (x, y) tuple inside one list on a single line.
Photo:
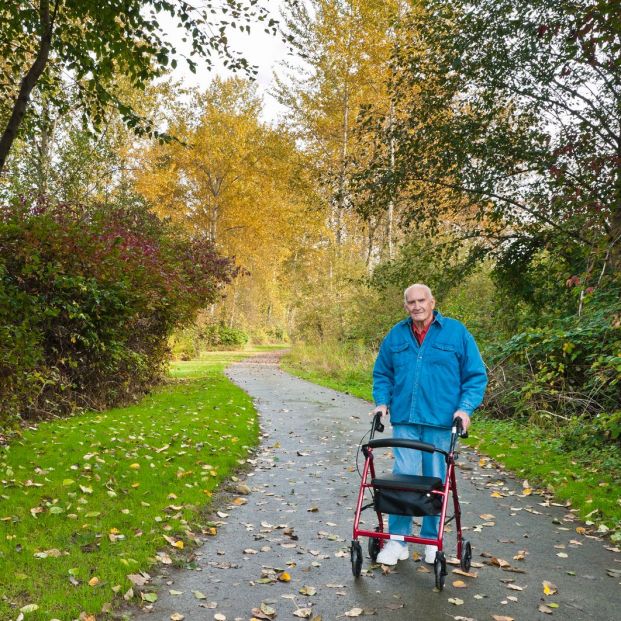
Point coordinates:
[(88, 299), (221, 335), (568, 371)]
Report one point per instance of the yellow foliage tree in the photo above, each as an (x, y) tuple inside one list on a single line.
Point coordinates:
[(239, 182)]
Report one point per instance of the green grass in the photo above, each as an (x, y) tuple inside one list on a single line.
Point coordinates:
[(344, 368), (97, 494), (587, 476), (590, 478)]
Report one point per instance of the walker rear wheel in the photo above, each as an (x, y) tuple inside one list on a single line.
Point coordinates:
[(356, 558), (466, 556), (374, 548), (439, 569)]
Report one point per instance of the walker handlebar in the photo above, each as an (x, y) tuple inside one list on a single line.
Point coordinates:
[(403, 443)]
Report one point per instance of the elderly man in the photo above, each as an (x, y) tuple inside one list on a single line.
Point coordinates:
[(428, 371)]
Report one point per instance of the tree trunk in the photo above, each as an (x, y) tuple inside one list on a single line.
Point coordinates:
[(28, 82), (391, 202), (342, 201), (43, 148)]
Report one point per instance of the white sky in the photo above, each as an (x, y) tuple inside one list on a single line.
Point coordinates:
[(259, 48)]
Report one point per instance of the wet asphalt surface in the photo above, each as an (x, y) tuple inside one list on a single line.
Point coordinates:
[(298, 517)]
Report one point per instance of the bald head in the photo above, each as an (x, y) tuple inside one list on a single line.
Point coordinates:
[(419, 286), (419, 303)]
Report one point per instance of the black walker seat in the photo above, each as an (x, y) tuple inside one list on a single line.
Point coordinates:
[(405, 494)]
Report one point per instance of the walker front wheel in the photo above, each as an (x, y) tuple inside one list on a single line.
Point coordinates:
[(356, 558), (439, 569)]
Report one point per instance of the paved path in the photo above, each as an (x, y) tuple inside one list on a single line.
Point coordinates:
[(298, 519)]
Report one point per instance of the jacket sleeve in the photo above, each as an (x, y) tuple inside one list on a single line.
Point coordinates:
[(473, 376), (383, 376)]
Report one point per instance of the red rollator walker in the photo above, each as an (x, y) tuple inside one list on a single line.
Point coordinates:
[(411, 495)]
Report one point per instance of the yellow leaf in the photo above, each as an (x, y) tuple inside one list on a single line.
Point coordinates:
[(496, 495), (549, 588), (94, 581), (527, 491), (179, 544), (284, 577), (459, 584), (134, 466)]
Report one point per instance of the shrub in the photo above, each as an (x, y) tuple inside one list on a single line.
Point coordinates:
[(566, 370), (88, 299)]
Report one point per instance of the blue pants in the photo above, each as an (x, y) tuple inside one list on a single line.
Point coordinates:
[(408, 461)]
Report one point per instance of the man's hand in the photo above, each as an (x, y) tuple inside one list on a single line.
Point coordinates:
[(382, 409), (465, 418)]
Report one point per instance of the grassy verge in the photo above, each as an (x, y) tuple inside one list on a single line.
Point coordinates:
[(588, 477), (89, 500)]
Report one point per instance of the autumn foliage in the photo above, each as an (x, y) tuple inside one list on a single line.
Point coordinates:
[(88, 299)]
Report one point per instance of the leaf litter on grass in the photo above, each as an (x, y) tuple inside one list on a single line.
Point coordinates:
[(82, 489)]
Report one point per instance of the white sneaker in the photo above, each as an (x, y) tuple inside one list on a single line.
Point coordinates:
[(430, 554), (392, 552)]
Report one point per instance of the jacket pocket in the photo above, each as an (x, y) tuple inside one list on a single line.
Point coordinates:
[(400, 355), (446, 355)]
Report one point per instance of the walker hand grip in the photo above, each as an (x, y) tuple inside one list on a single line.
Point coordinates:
[(402, 443), (459, 426), (377, 423)]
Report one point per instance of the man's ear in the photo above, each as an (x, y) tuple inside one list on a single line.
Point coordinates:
[(433, 303)]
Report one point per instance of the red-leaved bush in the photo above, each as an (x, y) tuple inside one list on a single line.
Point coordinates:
[(88, 298)]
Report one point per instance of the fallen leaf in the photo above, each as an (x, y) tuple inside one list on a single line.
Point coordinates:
[(469, 574), (94, 581), (199, 595), (354, 612), (284, 577), (455, 601), (499, 562), (303, 613), (219, 617), (459, 584), (502, 618), (138, 579), (514, 587), (545, 609), (308, 590), (177, 616), (549, 588)]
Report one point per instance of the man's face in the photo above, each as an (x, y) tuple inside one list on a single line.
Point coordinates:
[(419, 305)]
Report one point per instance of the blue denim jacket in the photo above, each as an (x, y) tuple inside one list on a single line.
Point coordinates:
[(426, 384)]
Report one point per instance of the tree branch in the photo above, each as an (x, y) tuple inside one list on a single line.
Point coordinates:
[(30, 79)]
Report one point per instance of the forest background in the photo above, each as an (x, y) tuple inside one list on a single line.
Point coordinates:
[(474, 148)]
